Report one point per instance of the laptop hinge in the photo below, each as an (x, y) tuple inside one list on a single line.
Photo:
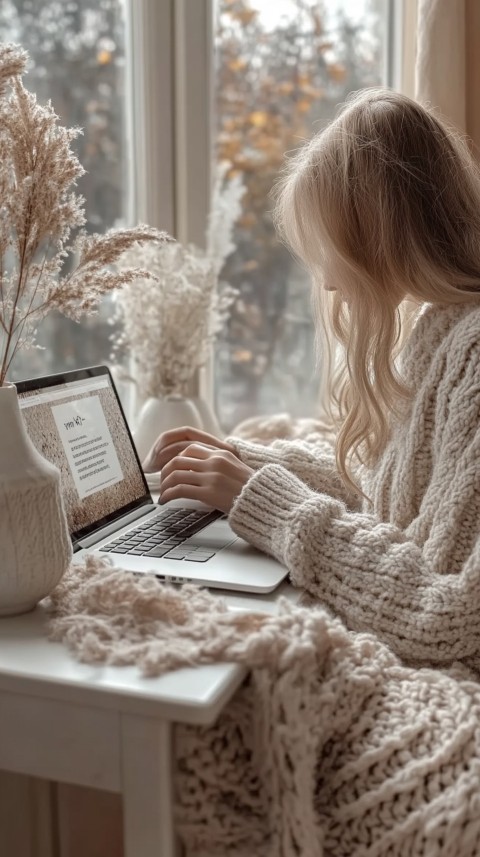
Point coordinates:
[(118, 524)]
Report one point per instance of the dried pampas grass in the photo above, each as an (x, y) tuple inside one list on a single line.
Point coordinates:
[(39, 211)]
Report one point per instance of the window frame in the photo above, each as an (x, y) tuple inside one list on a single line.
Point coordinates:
[(169, 65)]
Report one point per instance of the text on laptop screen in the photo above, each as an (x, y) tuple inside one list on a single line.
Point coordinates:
[(79, 427)]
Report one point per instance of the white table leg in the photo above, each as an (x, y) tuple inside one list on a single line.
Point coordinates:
[(147, 787)]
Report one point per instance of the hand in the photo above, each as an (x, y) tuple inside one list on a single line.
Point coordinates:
[(197, 466), (173, 442)]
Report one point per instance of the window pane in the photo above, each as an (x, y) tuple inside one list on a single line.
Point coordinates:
[(77, 58), (281, 69)]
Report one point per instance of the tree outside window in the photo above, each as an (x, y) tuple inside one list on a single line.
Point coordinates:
[(281, 70)]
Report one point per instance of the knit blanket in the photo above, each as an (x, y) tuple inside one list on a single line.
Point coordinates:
[(331, 747)]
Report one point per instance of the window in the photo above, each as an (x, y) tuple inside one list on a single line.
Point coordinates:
[(187, 83), (281, 69)]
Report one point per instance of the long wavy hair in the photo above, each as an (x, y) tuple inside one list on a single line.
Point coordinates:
[(383, 207)]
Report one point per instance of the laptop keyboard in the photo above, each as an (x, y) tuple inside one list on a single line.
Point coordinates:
[(170, 535)]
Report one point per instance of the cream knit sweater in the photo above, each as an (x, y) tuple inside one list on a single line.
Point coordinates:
[(407, 568)]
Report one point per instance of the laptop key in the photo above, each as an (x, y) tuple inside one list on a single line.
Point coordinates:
[(158, 551), (138, 551), (116, 549), (154, 520), (199, 556), (169, 545)]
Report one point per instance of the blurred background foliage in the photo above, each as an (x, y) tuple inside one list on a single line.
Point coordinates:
[(279, 77)]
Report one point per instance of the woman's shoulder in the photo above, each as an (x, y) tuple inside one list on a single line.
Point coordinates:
[(438, 321), (442, 336), (465, 329)]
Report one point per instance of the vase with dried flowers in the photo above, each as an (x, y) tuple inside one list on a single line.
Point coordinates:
[(170, 324), (39, 210)]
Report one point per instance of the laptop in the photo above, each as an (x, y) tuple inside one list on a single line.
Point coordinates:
[(76, 421)]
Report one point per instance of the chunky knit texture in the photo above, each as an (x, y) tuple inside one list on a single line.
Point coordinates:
[(406, 567), (331, 749)]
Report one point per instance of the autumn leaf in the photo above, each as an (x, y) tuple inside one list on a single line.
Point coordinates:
[(259, 118), (337, 72), (242, 356), (104, 57), (245, 16), (237, 64), (285, 88), (303, 106), (230, 124)]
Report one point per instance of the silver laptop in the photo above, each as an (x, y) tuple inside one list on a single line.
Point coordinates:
[(76, 421)]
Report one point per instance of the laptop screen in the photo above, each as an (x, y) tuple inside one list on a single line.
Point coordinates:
[(76, 421)]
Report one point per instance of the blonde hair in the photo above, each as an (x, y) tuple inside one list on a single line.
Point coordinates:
[(387, 200)]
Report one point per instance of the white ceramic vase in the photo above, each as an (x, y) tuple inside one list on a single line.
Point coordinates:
[(35, 544), (159, 415)]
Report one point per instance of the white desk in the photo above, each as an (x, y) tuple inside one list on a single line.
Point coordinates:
[(99, 726)]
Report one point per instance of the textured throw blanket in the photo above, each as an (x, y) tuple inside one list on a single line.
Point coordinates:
[(331, 748)]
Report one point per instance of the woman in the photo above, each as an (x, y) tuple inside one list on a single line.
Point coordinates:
[(383, 207)]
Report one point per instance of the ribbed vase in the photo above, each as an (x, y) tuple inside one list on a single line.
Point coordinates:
[(35, 544)]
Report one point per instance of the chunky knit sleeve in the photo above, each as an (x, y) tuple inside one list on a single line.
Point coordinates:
[(312, 460), (416, 586)]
